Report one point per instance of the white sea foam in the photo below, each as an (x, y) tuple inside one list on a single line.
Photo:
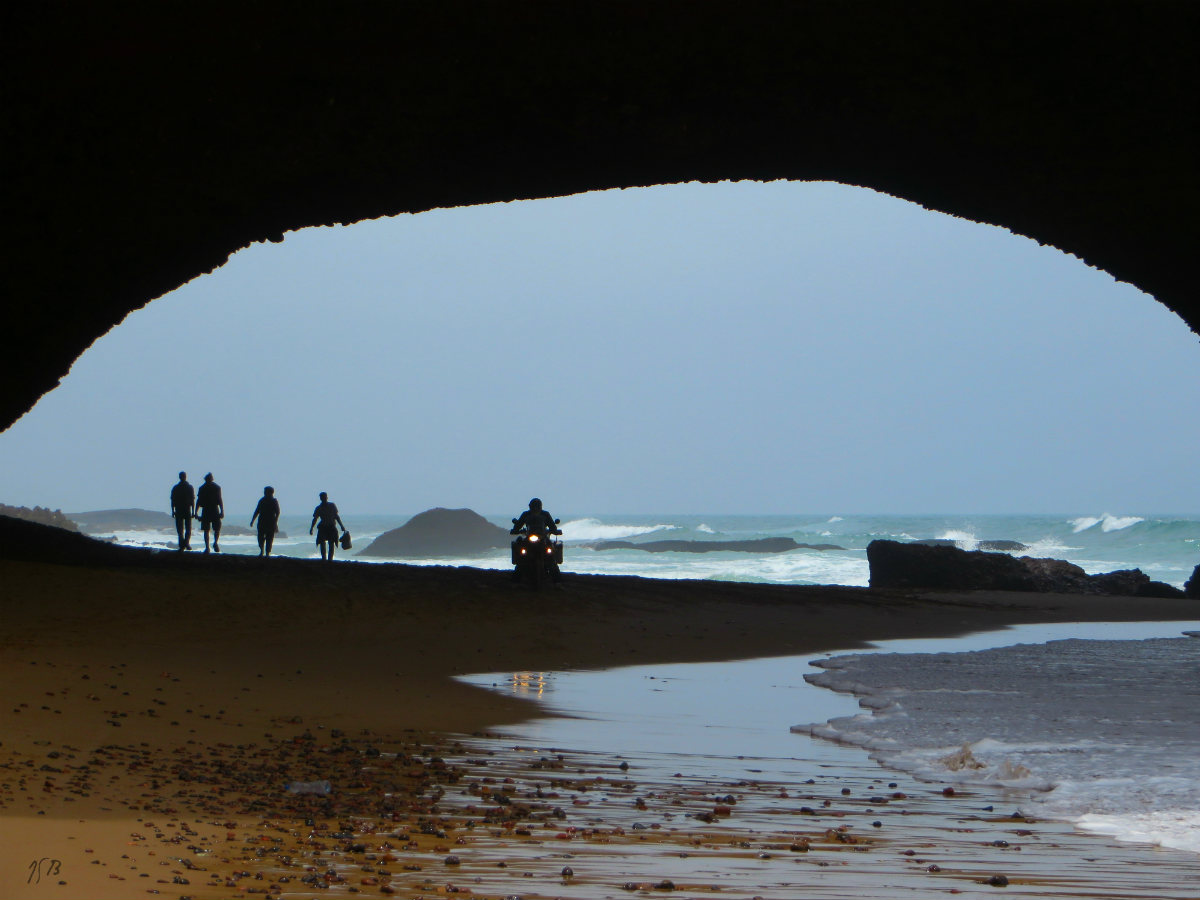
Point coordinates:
[(792, 567), (156, 540), (595, 530), (705, 529), (964, 539), (1047, 547), (1103, 732), (1178, 828)]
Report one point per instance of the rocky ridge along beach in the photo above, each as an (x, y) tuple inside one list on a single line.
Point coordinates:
[(157, 706)]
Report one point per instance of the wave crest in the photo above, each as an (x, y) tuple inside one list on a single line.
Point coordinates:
[(595, 530), (1107, 522)]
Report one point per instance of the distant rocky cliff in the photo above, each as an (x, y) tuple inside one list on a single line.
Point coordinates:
[(100, 521), (106, 521), (39, 514), (440, 532)]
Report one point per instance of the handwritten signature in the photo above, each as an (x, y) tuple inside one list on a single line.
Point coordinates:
[(43, 868)]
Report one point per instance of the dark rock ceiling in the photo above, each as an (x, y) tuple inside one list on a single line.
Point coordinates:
[(144, 143)]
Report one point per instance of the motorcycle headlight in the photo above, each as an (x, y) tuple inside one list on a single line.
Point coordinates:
[(533, 539)]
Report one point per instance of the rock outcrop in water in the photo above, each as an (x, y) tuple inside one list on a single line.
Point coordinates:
[(761, 545), (897, 565), (440, 532)]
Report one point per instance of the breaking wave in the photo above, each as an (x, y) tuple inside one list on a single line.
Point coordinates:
[(1107, 522), (595, 530)]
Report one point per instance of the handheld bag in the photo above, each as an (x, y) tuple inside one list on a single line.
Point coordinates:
[(346, 540)]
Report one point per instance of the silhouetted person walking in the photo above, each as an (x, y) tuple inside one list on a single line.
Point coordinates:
[(183, 507), (210, 510), (326, 520), (267, 513)]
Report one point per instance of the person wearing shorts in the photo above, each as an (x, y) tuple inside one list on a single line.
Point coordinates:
[(210, 510)]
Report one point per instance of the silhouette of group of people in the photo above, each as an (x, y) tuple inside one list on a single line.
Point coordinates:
[(207, 505)]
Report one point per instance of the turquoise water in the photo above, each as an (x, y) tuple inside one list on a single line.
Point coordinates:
[(1167, 548)]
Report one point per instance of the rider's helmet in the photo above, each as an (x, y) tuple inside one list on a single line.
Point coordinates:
[(535, 503)]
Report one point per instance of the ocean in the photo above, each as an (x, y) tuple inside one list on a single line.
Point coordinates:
[(1167, 548), (1095, 724)]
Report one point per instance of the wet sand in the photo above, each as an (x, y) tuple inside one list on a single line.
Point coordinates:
[(154, 707)]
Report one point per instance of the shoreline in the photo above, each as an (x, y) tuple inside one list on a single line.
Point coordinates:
[(221, 667)]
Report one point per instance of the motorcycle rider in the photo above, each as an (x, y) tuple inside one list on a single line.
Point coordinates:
[(536, 519)]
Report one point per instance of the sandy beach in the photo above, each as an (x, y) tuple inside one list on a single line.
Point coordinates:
[(155, 706)]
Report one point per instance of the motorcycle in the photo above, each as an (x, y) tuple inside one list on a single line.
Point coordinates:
[(537, 553)]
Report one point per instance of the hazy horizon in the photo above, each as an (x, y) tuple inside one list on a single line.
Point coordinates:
[(737, 348)]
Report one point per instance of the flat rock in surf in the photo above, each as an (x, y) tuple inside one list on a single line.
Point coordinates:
[(99, 521), (760, 545), (440, 532)]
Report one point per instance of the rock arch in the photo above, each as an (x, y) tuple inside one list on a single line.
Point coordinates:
[(146, 144)]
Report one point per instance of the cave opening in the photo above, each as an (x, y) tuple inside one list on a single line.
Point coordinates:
[(732, 347)]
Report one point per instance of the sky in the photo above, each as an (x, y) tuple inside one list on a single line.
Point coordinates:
[(742, 347)]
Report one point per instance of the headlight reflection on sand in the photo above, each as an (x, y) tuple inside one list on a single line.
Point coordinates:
[(530, 683)]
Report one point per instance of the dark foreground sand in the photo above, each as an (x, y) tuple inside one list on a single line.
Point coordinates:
[(153, 706)]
